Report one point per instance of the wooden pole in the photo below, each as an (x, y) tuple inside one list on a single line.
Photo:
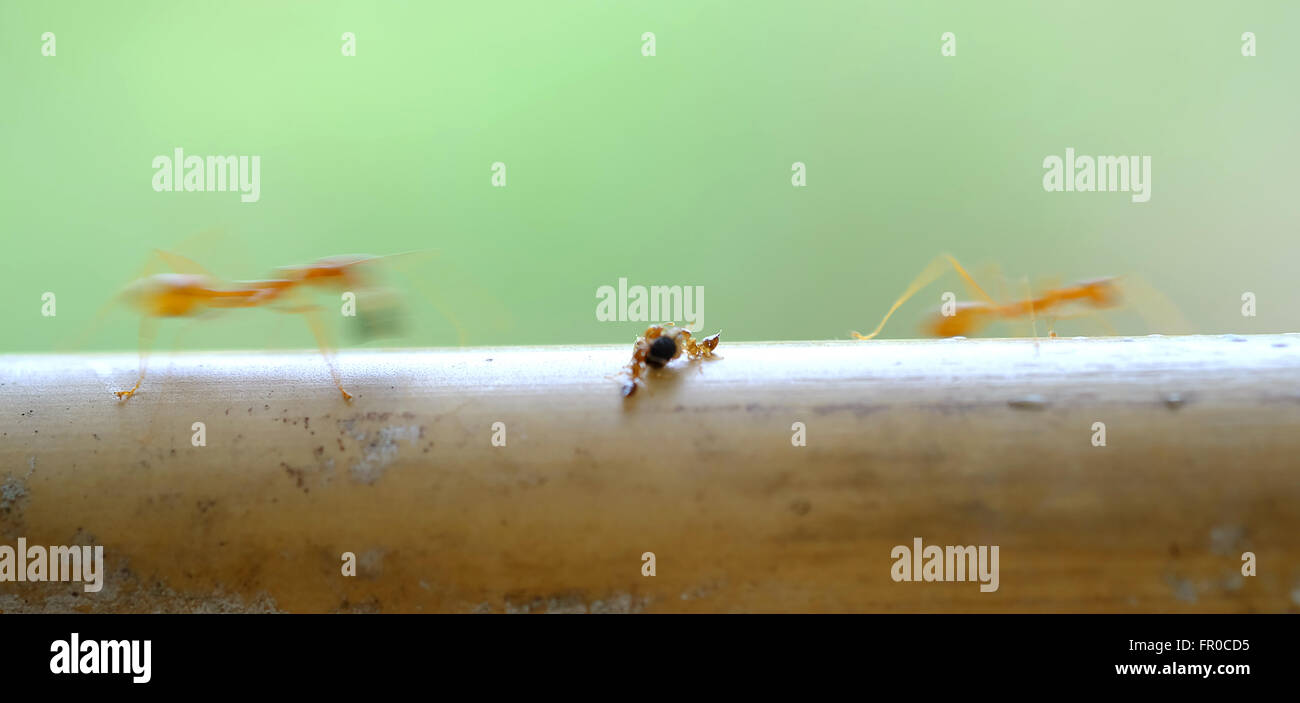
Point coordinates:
[(956, 442)]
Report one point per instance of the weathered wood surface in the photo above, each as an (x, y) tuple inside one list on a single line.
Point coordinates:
[(980, 442)]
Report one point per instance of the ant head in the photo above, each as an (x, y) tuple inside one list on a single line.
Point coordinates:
[(379, 315)]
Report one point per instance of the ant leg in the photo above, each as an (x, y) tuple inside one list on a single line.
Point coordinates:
[(181, 264), (630, 386), (970, 280), (461, 337), (993, 272), (632, 380), (177, 343), (450, 277), (317, 327), (1033, 314), (326, 351), (148, 329), (1100, 319), (203, 244), (927, 276)]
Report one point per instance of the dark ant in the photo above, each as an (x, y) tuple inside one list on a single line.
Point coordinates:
[(661, 344)]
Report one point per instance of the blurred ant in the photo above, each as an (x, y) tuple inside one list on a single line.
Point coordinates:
[(193, 291), (661, 344), (968, 317)]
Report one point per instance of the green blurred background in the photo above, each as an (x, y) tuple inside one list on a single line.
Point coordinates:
[(668, 170)]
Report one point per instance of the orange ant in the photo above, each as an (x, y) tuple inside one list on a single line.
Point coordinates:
[(661, 344), (193, 291), (969, 317)]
